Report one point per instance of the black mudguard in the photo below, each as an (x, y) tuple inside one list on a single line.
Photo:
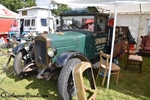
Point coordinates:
[(18, 48), (64, 57)]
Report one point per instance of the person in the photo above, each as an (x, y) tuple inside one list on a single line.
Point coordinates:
[(90, 26), (21, 25)]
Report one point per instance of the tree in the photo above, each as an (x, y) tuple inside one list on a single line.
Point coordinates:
[(61, 8), (30, 3), (13, 5)]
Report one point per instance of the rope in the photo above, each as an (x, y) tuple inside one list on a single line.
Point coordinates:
[(4, 66), (10, 94)]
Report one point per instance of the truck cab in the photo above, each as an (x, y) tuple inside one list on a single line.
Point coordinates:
[(79, 33)]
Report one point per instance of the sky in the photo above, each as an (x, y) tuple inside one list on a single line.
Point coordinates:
[(43, 2)]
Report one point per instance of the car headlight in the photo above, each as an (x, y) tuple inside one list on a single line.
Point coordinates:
[(51, 51), (26, 46)]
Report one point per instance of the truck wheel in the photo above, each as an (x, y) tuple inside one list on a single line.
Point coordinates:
[(65, 83), (18, 65)]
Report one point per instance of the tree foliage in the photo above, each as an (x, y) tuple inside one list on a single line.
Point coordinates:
[(13, 5), (61, 8), (92, 9)]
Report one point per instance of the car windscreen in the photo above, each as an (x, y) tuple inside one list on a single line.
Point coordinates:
[(78, 22)]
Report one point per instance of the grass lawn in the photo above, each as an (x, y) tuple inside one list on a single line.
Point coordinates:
[(131, 86)]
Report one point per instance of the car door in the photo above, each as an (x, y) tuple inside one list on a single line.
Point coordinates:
[(101, 34), (100, 43), (94, 44), (98, 40)]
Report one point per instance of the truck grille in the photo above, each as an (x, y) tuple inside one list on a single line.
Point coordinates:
[(40, 52)]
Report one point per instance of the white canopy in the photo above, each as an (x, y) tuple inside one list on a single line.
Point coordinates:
[(123, 6), (5, 12), (111, 3), (143, 8), (100, 2)]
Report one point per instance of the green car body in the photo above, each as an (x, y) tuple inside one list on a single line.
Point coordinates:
[(83, 42)]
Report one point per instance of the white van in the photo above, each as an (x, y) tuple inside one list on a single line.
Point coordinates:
[(33, 19)]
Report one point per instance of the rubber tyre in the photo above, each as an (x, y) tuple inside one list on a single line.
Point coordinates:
[(18, 68), (63, 79)]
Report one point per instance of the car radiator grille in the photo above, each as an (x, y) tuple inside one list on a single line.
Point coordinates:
[(40, 50)]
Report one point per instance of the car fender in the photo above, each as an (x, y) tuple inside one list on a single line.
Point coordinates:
[(64, 57), (19, 48)]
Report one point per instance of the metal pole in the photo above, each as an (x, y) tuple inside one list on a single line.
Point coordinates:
[(48, 19), (140, 13), (112, 46)]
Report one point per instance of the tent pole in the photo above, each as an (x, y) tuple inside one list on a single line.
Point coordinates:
[(140, 13), (112, 46), (49, 14)]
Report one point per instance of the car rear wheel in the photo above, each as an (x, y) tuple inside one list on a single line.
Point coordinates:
[(65, 85)]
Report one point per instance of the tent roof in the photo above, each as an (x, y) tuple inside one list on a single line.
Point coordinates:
[(100, 2), (123, 6), (6, 13), (143, 8)]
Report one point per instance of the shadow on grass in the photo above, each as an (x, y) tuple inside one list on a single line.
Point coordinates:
[(46, 90), (44, 87), (130, 81)]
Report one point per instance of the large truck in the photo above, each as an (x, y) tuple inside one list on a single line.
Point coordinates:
[(35, 19)]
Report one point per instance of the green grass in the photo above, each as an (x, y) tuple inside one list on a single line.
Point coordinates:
[(131, 86)]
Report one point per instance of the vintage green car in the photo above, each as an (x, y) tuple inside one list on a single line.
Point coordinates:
[(80, 37)]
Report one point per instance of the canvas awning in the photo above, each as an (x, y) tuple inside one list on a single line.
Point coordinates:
[(6, 19), (6, 13), (129, 9), (100, 2), (114, 3)]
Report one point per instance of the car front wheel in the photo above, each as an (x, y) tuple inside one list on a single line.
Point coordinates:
[(65, 85), (19, 63)]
